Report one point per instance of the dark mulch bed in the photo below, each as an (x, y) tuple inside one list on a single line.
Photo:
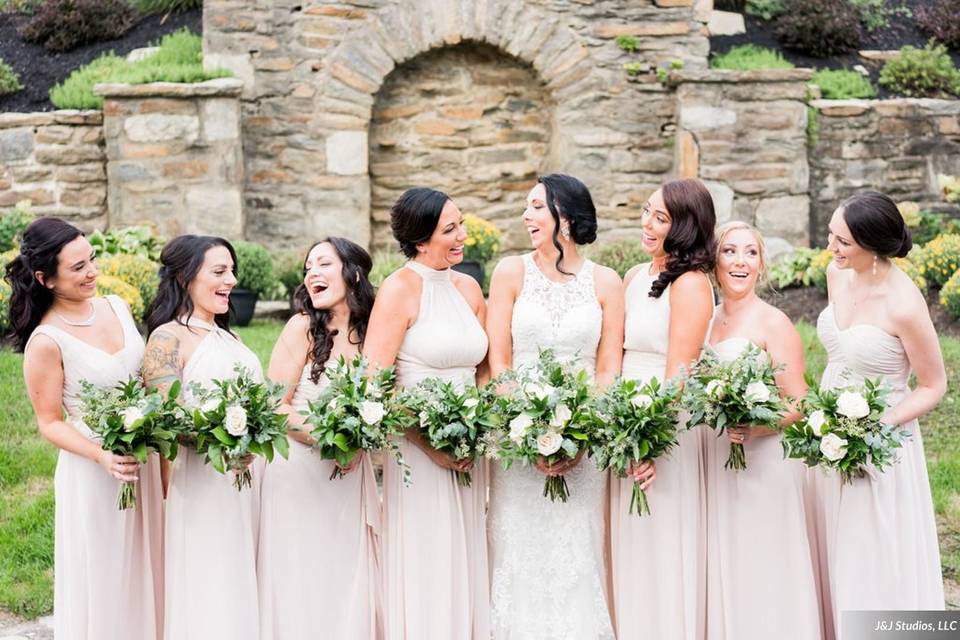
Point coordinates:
[(806, 304), (40, 70), (900, 31)]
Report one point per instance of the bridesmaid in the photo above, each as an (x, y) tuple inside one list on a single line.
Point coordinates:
[(303, 513), (669, 303), (756, 520), (108, 580), (877, 536), (211, 528), (428, 321)]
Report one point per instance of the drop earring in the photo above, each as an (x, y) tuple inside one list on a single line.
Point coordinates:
[(565, 231), (874, 269)]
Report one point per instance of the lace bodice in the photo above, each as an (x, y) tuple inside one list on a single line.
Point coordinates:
[(565, 317)]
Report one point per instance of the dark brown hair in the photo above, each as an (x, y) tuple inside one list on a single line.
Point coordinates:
[(689, 243)]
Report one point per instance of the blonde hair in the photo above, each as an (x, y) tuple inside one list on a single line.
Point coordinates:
[(737, 225)]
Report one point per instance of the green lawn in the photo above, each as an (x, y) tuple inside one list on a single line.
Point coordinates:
[(27, 464)]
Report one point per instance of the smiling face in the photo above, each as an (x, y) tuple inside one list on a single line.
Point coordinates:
[(210, 288), (739, 262), (847, 254), (323, 277), (656, 222), (76, 277), (537, 217), (445, 247)]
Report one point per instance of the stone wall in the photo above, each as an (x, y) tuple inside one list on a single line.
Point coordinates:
[(56, 160), (174, 156), (895, 146), (744, 133), (318, 77)]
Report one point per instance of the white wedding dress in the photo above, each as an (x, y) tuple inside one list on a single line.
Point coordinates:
[(548, 578)]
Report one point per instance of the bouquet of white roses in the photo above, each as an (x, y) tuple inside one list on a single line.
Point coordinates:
[(734, 393), (236, 418), (843, 431), (355, 413), (548, 415), (452, 418), (131, 421), (632, 423)]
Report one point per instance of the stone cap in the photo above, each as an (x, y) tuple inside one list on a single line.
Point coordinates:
[(41, 118), (218, 87), (841, 108), (680, 76)]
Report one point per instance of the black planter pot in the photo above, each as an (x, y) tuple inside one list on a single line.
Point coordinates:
[(471, 268), (242, 304)]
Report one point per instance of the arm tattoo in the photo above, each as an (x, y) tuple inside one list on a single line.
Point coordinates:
[(161, 361)]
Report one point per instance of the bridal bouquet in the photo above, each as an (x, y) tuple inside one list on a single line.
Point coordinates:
[(739, 392), (843, 431), (131, 421), (632, 423), (355, 413), (452, 418), (236, 418), (548, 416)]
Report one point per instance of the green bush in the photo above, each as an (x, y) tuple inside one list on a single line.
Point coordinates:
[(939, 258), (137, 271), (926, 225), (927, 72), (12, 224), (820, 28), (9, 80), (941, 19), (913, 272), (803, 268), (288, 269), (180, 59), (112, 285), (619, 255), (747, 57), (876, 14), (765, 9), (151, 7), (385, 263), (950, 295), (137, 240), (62, 25), (843, 84), (254, 267)]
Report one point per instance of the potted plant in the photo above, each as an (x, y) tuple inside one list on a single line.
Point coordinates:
[(481, 246), (254, 277)]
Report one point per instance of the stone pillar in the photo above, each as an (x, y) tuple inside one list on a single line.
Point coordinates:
[(175, 156)]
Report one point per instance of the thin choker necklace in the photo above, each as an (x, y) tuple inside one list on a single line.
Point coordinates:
[(88, 322)]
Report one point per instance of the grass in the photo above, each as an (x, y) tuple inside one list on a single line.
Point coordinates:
[(747, 57), (27, 464)]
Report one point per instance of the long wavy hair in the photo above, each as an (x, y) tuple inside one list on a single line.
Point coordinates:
[(360, 295), (689, 243), (40, 250), (180, 261), (569, 197)]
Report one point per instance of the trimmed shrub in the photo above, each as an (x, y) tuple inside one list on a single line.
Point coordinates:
[(254, 267), (137, 271), (939, 259), (843, 84), (620, 255), (927, 72), (112, 285), (747, 57), (62, 25), (941, 19), (9, 80), (820, 28)]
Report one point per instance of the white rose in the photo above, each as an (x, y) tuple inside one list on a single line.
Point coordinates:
[(853, 405), (641, 401), (816, 420), (519, 426), (561, 415), (757, 392), (235, 420), (130, 416), (549, 443), (470, 403), (833, 447), (539, 391), (372, 412), (210, 405), (715, 388), (424, 419)]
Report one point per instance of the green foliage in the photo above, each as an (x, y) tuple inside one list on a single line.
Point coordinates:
[(135, 240), (747, 57), (926, 72), (939, 259), (765, 9), (820, 28), (19, 6), (135, 270), (913, 272), (9, 80), (628, 43), (483, 239), (634, 68), (803, 268), (876, 14), (62, 25), (112, 285), (12, 224), (150, 7), (620, 255), (941, 19), (385, 263), (288, 269), (950, 187), (254, 267), (180, 59), (926, 225), (843, 84)]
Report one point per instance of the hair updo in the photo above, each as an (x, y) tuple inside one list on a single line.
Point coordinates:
[(876, 224), (414, 217), (569, 198)]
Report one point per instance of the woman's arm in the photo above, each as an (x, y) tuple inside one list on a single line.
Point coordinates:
[(504, 288), (691, 308), (395, 310), (287, 360), (610, 350)]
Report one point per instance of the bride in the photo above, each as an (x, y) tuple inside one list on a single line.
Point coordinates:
[(548, 578)]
